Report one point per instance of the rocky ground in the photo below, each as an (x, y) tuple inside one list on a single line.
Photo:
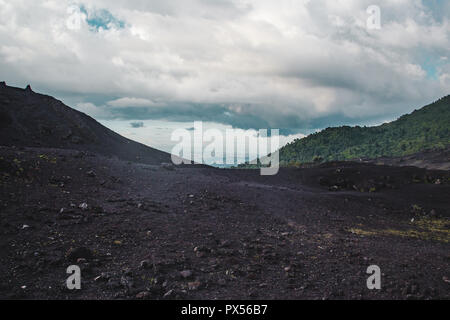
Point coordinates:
[(429, 159), (159, 232)]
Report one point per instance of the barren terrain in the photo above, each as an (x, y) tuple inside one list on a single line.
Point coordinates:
[(142, 231)]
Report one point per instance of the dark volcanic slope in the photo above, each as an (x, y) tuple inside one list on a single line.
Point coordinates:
[(146, 232), (35, 120)]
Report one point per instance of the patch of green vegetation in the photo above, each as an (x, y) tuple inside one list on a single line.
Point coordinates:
[(47, 158), (424, 229), (427, 128), (362, 232)]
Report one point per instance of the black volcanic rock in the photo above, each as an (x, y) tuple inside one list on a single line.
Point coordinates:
[(29, 119)]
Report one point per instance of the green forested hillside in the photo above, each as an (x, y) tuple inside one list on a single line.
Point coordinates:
[(422, 129)]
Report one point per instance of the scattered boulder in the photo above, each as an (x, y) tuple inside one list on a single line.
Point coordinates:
[(74, 254)]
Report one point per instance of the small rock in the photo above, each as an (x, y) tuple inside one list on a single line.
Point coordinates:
[(144, 264), (25, 226), (186, 273), (225, 244), (168, 294), (73, 254), (252, 294), (105, 276), (199, 254), (126, 282), (91, 174), (143, 295), (194, 285), (83, 206)]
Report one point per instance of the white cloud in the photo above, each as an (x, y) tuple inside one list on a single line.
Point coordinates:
[(92, 110), (132, 102), (257, 62)]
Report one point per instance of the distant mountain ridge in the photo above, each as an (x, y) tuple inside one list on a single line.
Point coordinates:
[(29, 119), (426, 128)]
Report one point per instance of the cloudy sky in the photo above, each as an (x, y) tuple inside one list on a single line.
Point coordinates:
[(299, 65)]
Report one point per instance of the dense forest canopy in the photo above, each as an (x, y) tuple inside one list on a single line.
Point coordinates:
[(427, 128)]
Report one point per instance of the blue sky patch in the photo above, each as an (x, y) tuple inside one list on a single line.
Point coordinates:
[(101, 19), (439, 8), (431, 63)]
